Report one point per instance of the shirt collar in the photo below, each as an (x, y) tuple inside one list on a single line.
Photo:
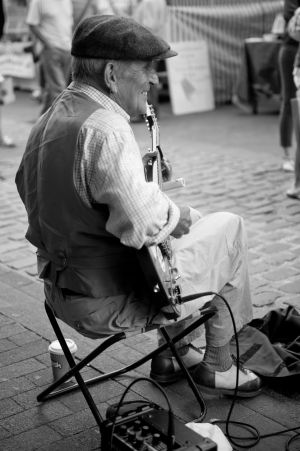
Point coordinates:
[(99, 97)]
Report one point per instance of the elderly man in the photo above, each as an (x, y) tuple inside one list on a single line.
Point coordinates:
[(89, 210)]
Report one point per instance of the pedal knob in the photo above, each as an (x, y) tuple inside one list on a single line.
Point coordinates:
[(145, 431), (122, 430), (156, 439), (137, 425), (131, 436), (139, 444)]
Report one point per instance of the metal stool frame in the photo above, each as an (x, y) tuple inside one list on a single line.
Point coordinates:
[(53, 390)]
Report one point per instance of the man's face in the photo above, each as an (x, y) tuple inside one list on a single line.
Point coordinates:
[(133, 83)]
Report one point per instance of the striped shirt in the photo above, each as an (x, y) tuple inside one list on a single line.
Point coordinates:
[(108, 170)]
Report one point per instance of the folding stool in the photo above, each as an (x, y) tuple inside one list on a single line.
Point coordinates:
[(53, 390)]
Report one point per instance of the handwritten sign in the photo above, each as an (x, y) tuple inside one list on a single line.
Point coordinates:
[(190, 83), (14, 62)]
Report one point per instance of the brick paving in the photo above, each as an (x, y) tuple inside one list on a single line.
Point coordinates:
[(227, 161)]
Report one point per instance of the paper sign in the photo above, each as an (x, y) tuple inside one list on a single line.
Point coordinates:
[(20, 66), (190, 83), (14, 62)]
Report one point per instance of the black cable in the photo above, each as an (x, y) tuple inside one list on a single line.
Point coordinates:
[(256, 435), (291, 440), (227, 422), (171, 429), (254, 438)]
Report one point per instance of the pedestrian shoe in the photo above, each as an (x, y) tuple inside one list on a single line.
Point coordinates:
[(7, 142), (294, 193), (288, 166), (166, 370), (223, 382)]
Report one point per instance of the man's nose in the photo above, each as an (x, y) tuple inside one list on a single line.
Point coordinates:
[(154, 78)]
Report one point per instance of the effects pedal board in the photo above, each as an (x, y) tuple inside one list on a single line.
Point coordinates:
[(144, 427)]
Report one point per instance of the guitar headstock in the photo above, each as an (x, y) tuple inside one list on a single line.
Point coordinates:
[(151, 119)]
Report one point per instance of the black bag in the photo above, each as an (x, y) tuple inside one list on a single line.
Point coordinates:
[(270, 346)]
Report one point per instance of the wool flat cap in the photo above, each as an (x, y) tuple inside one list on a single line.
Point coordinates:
[(119, 38)]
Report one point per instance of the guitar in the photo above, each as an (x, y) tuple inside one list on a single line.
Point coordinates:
[(157, 261)]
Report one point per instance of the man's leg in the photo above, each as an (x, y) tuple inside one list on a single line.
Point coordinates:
[(55, 75), (213, 257)]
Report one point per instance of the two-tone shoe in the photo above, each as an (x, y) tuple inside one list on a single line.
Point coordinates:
[(223, 382)]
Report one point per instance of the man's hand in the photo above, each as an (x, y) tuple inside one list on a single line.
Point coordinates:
[(184, 223), (296, 78), (166, 170)]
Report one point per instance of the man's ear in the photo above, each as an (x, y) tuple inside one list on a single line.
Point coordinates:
[(110, 77)]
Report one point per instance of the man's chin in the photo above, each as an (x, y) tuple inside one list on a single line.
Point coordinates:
[(143, 110), (143, 107), (140, 113)]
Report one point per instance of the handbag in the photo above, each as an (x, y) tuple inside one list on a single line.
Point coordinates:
[(293, 26)]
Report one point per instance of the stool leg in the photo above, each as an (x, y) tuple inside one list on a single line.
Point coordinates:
[(75, 368), (186, 373), (72, 363)]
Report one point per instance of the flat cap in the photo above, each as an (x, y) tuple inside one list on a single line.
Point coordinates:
[(119, 38)]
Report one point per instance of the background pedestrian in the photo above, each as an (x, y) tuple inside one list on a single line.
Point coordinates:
[(287, 54), (5, 141), (294, 191), (51, 22)]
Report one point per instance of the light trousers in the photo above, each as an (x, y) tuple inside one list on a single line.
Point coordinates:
[(212, 257)]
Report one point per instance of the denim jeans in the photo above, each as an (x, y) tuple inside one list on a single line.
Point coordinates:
[(286, 58), (56, 68)]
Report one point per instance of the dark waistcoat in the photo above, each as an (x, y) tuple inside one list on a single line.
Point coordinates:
[(80, 254)]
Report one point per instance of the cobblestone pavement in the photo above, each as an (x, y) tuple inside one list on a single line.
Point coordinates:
[(224, 158)]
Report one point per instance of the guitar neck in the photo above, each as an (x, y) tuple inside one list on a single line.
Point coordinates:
[(156, 261), (155, 145)]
